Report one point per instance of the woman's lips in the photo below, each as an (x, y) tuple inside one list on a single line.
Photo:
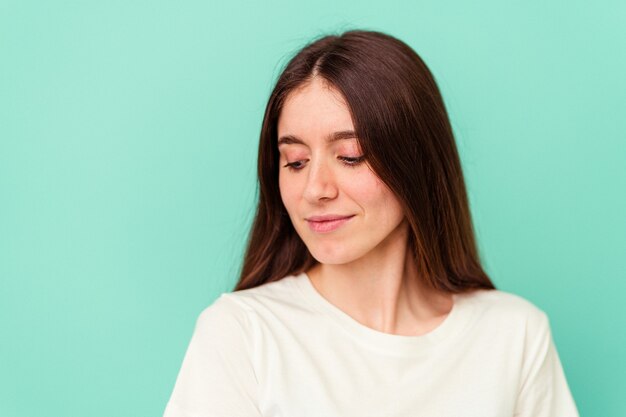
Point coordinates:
[(327, 225)]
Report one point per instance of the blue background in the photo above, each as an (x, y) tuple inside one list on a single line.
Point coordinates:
[(128, 140)]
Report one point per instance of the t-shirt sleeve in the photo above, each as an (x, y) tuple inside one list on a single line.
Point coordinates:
[(544, 391), (217, 377)]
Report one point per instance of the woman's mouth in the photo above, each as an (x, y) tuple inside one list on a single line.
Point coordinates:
[(325, 226)]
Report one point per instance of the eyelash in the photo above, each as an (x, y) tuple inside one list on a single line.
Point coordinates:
[(349, 162)]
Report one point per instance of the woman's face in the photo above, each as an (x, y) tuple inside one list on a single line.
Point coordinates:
[(319, 176)]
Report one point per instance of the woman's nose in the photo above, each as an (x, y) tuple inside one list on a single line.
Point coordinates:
[(320, 183)]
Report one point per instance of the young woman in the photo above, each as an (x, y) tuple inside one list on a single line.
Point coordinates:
[(361, 292)]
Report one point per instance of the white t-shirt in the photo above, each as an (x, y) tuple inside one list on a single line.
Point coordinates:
[(283, 350)]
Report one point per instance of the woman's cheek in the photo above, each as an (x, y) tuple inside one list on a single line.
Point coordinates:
[(365, 185)]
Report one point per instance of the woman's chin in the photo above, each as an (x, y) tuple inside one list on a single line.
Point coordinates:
[(329, 255)]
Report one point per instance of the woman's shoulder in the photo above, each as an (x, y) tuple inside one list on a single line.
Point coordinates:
[(507, 307), (240, 304)]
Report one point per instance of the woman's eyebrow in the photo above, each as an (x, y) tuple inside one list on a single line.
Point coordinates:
[(340, 135)]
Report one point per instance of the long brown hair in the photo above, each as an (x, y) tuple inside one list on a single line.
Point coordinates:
[(403, 128)]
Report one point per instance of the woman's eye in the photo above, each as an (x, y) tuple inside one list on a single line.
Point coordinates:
[(347, 161), (352, 162), (293, 166)]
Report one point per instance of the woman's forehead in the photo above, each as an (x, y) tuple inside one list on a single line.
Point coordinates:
[(315, 112)]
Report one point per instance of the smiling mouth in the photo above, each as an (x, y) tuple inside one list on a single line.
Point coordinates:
[(326, 226)]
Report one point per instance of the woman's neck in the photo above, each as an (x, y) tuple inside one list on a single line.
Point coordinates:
[(383, 291)]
